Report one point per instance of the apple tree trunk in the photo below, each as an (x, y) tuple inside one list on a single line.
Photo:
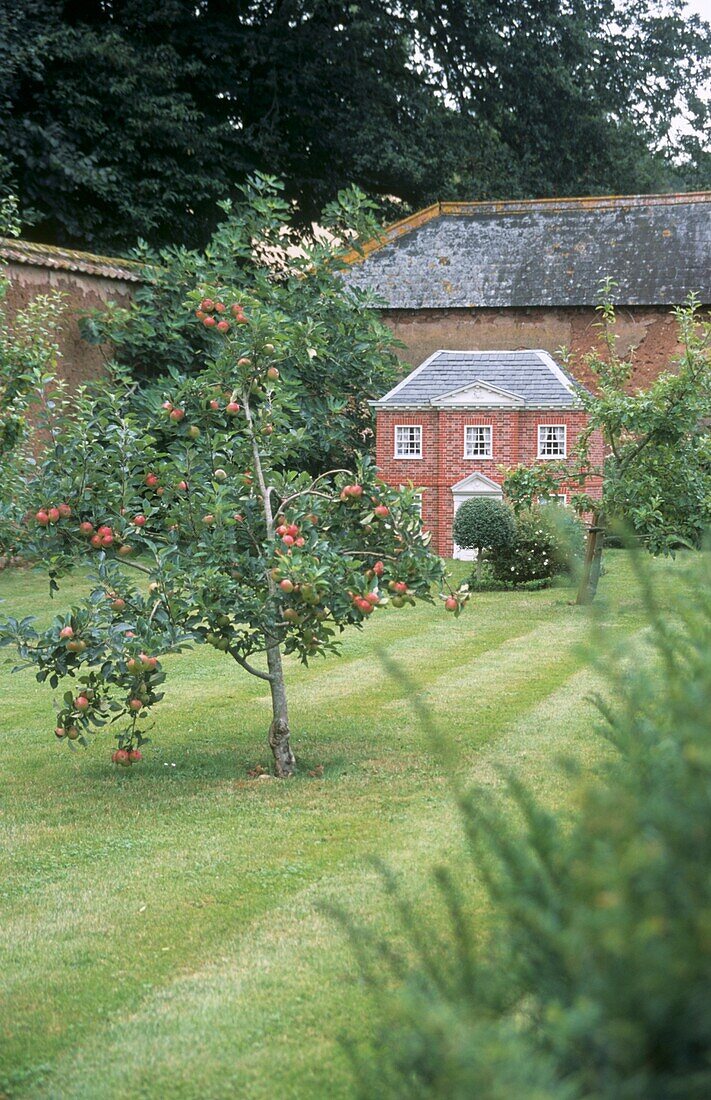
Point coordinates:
[(279, 732)]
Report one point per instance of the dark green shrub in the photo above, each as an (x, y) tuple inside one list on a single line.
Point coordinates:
[(484, 525), (592, 982), (548, 542)]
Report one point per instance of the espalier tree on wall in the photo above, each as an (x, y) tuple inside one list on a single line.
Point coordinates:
[(235, 547), (28, 347)]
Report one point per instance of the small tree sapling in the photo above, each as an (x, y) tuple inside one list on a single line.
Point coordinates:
[(236, 549)]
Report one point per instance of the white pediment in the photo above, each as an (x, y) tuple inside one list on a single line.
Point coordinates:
[(477, 484), (478, 393)]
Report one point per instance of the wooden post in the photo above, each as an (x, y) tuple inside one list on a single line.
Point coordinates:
[(591, 565)]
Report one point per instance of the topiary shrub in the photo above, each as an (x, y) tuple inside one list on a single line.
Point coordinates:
[(485, 526), (549, 541)]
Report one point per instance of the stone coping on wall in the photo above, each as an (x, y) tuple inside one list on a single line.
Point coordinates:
[(68, 259)]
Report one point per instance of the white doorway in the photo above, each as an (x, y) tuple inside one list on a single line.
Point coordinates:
[(476, 485)]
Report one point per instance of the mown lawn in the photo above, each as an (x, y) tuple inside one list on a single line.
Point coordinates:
[(160, 929)]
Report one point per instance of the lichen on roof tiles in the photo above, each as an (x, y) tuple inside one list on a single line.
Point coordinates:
[(69, 259), (543, 253)]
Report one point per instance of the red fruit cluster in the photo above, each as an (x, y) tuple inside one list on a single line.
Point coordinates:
[(69, 731), (290, 535), (365, 604), (209, 313), (52, 514), (126, 757), (174, 412), (103, 537), (352, 492), (141, 663)]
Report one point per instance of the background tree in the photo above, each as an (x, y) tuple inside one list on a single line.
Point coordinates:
[(238, 549), (344, 356), (657, 473), (486, 526), (122, 119)]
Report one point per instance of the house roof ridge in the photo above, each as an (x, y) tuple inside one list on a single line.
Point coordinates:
[(529, 375)]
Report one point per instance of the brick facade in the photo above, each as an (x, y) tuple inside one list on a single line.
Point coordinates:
[(514, 440)]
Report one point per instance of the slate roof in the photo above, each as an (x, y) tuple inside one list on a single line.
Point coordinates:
[(68, 259), (542, 252), (531, 375)]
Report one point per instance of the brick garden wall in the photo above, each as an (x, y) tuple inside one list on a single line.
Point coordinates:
[(649, 332), (80, 361), (514, 440)]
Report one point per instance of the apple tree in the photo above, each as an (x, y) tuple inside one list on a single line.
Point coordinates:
[(202, 530), (657, 468)]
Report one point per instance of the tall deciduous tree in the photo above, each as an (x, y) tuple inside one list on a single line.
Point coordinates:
[(121, 119)]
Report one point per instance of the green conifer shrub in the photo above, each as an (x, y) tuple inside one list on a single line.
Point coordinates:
[(592, 977), (484, 525)]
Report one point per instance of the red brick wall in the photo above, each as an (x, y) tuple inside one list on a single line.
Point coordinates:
[(647, 333), (80, 361), (514, 440)]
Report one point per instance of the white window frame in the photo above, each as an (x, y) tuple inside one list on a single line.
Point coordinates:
[(408, 457), (561, 498), (564, 452), (487, 428)]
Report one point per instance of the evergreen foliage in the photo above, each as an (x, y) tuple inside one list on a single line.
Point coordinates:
[(485, 526), (594, 980)]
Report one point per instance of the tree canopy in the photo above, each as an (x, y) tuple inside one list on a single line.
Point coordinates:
[(121, 120), (344, 355)]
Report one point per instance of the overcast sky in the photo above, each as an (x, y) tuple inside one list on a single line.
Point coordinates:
[(703, 7)]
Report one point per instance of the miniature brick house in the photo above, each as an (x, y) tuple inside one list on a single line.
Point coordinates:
[(458, 418)]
